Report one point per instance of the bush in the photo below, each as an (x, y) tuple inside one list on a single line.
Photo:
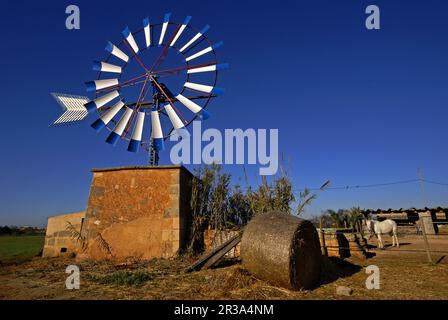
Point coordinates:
[(216, 205)]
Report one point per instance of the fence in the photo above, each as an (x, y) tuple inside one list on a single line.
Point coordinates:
[(344, 242)]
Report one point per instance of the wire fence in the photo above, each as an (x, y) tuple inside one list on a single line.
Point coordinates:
[(369, 248)]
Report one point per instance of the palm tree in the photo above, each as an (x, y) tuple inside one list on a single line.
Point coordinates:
[(353, 216), (337, 217)]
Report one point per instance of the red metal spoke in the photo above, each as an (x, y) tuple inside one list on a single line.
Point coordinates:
[(137, 106), (168, 98), (135, 55), (140, 96), (161, 57), (164, 52), (120, 86), (126, 83)]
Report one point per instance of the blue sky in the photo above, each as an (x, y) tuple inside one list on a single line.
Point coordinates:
[(352, 106)]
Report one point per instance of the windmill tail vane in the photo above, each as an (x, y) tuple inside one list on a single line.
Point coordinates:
[(172, 96), (73, 108)]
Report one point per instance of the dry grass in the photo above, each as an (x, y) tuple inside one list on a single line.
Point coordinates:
[(403, 276)]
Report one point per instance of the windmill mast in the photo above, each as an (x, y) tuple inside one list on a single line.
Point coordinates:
[(153, 155)]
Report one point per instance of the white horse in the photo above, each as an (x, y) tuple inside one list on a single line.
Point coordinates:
[(384, 227)]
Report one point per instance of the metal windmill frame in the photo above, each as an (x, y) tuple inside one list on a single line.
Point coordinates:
[(162, 99)]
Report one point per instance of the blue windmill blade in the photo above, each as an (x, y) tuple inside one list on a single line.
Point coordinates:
[(136, 138), (106, 117), (180, 31), (195, 38), (156, 131), (115, 135), (166, 21), (193, 107)]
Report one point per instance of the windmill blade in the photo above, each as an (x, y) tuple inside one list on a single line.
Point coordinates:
[(137, 134), (196, 37), (101, 101), (100, 84), (106, 67), (114, 50), (174, 118), (147, 30), (156, 130), (119, 128), (106, 117), (130, 39), (203, 88), (181, 29), (195, 108), (166, 20), (214, 67), (73, 106), (202, 52)]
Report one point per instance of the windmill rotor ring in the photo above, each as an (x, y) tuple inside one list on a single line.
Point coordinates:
[(170, 97)]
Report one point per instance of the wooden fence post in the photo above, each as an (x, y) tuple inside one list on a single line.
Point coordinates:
[(322, 240), (428, 253)]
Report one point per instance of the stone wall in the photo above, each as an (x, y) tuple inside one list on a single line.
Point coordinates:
[(139, 212), (58, 237)]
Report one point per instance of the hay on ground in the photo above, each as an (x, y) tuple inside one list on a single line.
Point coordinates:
[(283, 250)]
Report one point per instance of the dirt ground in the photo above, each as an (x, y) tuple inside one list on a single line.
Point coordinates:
[(404, 274)]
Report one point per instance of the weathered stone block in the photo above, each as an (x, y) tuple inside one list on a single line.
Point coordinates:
[(161, 198), (57, 236)]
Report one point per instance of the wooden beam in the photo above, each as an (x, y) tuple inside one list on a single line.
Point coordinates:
[(211, 258)]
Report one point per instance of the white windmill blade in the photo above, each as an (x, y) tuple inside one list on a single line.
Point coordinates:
[(147, 30), (137, 133), (210, 68), (130, 39), (101, 101), (106, 67), (195, 108), (114, 50), (174, 118), (202, 52), (181, 29), (166, 20), (100, 84), (119, 128), (156, 131), (73, 106), (106, 117), (203, 88), (196, 37)]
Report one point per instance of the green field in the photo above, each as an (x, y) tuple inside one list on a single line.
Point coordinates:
[(20, 248)]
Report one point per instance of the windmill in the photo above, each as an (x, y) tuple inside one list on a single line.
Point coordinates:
[(143, 99)]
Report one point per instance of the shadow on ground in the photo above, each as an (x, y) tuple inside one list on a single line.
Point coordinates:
[(226, 263), (335, 268), (370, 246)]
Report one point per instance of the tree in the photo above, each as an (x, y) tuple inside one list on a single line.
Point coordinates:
[(353, 216)]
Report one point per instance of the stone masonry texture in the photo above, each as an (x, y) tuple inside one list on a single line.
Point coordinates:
[(59, 239), (137, 212)]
